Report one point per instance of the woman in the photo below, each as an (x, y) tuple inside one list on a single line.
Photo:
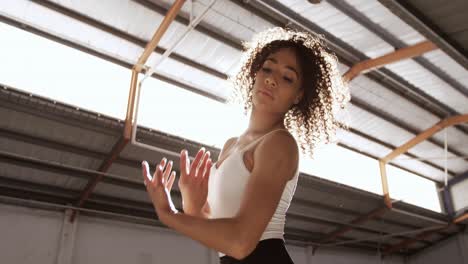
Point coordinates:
[(290, 83)]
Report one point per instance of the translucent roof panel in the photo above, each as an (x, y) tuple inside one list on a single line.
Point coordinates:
[(344, 166), (65, 27), (179, 112), (193, 77), (52, 70), (412, 189)]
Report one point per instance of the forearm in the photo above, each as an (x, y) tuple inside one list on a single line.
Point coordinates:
[(204, 212), (223, 235), (196, 213)]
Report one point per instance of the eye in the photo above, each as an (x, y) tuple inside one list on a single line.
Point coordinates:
[(289, 80)]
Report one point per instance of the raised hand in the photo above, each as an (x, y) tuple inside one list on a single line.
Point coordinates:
[(159, 187), (193, 181)]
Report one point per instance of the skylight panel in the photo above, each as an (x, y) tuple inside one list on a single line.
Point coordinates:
[(412, 189), (61, 73)]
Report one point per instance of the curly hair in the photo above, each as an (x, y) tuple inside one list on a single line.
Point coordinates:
[(314, 118)]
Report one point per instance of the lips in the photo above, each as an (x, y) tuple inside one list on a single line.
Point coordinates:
[(266, 92)]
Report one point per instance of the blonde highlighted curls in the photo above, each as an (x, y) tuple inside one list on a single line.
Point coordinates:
[(314, 118)]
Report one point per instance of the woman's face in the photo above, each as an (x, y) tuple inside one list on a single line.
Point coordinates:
[(278, 82)]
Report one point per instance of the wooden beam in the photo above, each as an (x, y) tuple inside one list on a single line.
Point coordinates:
[(454, 120), (410, 241), (461, 218), (360, 220), (170, 16), (398, 55), (383, 177), (105, 165), (131, 105), (405, 243), (450, 121)]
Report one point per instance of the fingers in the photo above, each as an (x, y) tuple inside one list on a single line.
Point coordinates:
[(202, 167), (158, 176), (184, 163), (196, 171), (162, 163), (162, 174), (171, 181), (167, 171), (145, 173), (206, 175), (196, 162)]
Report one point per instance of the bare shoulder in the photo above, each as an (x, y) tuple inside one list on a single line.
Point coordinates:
[(227, 145), (278, 151), (280, 141)]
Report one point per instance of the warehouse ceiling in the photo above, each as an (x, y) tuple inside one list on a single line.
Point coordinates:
[(62, 156)]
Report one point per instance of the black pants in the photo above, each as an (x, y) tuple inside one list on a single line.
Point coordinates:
[(271, 251)]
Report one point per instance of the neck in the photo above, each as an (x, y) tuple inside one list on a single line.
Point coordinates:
[(262, 122)]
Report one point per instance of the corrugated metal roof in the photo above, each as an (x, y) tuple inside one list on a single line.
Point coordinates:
[(432, 85), (343, 27), (399, 29), (381, 16), (448, 65)]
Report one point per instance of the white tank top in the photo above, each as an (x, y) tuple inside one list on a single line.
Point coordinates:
[(226, 187)]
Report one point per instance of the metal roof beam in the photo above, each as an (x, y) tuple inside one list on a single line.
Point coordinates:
[(393, 120), (413, 17), (425, 135), (404, 244), (281, 15), (403, 148), (378, 212), (151, 46), (385, 35), (81, 173), (126, 36), (202, 27), (411, 143), (400, 54)]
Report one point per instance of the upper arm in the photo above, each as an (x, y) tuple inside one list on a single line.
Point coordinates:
[(276, 160)]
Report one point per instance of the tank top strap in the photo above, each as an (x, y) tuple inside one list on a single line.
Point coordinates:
[(253, 143)]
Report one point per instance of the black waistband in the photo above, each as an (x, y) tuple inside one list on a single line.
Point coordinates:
[(269, 251)]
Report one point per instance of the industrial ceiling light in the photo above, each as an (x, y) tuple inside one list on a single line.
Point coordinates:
[(314, 1)]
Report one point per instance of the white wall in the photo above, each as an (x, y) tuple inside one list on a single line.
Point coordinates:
[(35, 236), (28, 235), (450, 251), (339, 256), (110, 241)]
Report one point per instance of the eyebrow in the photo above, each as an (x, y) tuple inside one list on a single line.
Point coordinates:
[(287, 66)]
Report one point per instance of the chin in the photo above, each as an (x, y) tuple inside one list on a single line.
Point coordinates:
[(263, 106)]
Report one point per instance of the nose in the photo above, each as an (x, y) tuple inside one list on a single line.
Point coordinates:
[(270, 82)]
